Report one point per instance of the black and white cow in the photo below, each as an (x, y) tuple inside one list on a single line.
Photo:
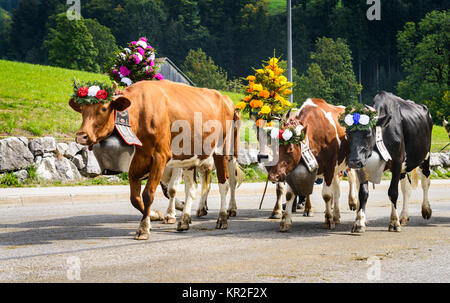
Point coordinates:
[(406, 128)]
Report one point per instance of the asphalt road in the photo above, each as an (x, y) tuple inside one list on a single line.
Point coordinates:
[(93, 242)]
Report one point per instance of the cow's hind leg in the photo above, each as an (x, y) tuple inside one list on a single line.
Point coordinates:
[(336, 195), (278, 208), (286, 221), (425, 177), (353, 190), (190, 189), (205, 176), (308, 212), (175, 176), (221, 163), (232, 208), (327, 195), (406, 193)]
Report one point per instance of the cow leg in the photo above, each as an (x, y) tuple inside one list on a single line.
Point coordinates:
[(308, 212), (175, 176), (190, 188), (394, 225), (156, 168), (327, 195), (425, 177), (278, 208), (336, 196), (205, 176), (360, 223), (286, 221), (221, 163), (353, 190), (406, 194), (232, 208)]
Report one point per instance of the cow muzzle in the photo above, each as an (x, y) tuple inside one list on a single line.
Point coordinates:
[(83, 138), (277, 177), (356, 164)]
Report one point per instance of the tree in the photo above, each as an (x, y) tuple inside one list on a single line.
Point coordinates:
[(424, 49), (104, 41), (330, 74), (70, 45), (25, 32), (203, 72), (5, 29)]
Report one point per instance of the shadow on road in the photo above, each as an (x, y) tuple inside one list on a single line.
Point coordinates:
[(249, 223)]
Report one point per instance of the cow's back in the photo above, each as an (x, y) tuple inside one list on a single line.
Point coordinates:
[(408, 134)]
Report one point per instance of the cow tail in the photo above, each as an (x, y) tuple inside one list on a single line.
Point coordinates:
[(236, 133), (414, 178), (239, 175)]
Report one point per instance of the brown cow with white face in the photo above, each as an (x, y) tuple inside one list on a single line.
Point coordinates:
[(154, 108), (328, 144)]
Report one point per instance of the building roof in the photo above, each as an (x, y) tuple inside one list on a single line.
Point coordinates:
[(171, 72)]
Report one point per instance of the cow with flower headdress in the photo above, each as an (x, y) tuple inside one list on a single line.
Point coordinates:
[(395, 135), (312, 144)]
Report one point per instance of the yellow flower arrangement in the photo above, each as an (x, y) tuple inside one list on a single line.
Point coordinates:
[(267, 92)]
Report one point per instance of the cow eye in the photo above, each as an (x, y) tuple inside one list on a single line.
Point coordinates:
[(104, 109)]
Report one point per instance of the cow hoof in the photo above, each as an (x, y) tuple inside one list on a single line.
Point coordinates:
[(308, 213), (395, 227), (275, 215), (179, 205), (142, 235), (183, 224), (426, 213), (285, 226), (169, 220), (337, 221), (202, 212), (358, 229), (329, 223), (404, 221), (156, 215), (352, 206), (222, 221), (231, 213)]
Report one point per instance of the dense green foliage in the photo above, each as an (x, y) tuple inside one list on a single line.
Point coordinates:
[(202, 70), (71, 45), (425, 53), (239, 34), (330, 75)]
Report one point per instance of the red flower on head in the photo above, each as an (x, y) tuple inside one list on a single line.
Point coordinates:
[(280, 134), (101, 94), (83, 92)]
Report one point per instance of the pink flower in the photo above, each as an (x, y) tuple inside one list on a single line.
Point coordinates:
[(152, 63), (158, 76), (149, 47), (136, 59), (133, 43), (143, 39), (141, 51), (124, 71)]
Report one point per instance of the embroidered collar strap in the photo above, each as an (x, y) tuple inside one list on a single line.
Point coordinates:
[(123, 126)]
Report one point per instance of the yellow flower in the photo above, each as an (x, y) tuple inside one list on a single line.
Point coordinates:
[(247, 98), (271, 74), (257, 87), (282, 79), (241, 105), (260, 71), (279, 71), (264, 93), (251, 78), (256, 103), (287, 92), (260, 123), (273, 61), (265, 110)]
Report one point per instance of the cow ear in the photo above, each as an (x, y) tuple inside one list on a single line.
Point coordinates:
[(383, 121), (75, 106), (120, 104)]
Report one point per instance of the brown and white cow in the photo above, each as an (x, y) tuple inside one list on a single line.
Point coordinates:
[(204, 115), (328, 144)]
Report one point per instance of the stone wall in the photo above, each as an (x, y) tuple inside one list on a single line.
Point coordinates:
[(71, 162), (53, 161)]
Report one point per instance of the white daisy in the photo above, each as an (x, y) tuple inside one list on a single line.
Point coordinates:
[(364, 120), (92, 92), (349, 120), (126, 80), (287, 134), (275, 133), (298, 130), (142, 44)]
